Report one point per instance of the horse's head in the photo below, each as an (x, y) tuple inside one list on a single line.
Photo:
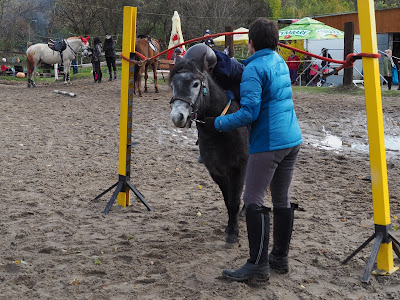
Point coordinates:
[(189, 84), (84, 45)]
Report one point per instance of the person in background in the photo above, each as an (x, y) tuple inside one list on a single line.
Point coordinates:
[(266, 103), (293, 63), (74, 65), (18, 68), (325, 64), (314, 69), (109, 51), (177, 52), (96, 59), (209, 42), (387, 65), (4, 67), (226, 50)]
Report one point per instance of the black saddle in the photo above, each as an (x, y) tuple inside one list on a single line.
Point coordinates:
[(59, 45)]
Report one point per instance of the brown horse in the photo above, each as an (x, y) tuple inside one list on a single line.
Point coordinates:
[(148, 47)]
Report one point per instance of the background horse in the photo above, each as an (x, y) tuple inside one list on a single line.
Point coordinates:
[(148, 47), (225, 154), (42, 53)]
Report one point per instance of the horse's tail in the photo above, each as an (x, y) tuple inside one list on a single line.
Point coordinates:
[(30, 64)]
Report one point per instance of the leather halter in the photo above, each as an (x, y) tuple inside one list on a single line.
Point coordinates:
[(202, 92), (193, 114)]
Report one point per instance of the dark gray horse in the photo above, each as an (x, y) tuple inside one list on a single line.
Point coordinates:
[(196, 96)]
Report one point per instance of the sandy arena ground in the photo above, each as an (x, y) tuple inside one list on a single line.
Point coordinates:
[(58, 153)]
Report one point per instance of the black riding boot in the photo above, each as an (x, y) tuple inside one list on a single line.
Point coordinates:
[(257, 267), (283, 226), (115, 75), (110, 79)]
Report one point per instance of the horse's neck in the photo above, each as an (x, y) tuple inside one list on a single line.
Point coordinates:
[(74, 44)]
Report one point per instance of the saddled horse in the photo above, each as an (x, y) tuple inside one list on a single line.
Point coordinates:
[(196, 96), (148, 47), (41, 53)]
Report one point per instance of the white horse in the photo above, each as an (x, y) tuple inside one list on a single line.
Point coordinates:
[(42, 53)]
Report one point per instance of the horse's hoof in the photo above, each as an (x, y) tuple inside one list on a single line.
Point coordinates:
[(29, 86), (157, 91), (232, 239)]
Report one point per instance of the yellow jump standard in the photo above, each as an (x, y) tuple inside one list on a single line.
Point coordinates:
[(125, 133), (385, 243)]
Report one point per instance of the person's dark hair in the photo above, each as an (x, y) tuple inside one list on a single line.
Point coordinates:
[(264, 34), (96, 41)]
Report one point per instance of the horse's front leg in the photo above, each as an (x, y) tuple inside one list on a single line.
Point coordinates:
[(66, 78), (155, 66), (232, 203), (67, 66), (139, 78)]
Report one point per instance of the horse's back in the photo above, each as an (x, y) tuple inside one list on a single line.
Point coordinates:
[(143, 47), (42, 52)]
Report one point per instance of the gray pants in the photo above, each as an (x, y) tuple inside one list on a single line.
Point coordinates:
[(272, 169)]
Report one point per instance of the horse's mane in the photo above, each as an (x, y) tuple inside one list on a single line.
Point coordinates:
[(73, 37), (184, 65), (144, 36)]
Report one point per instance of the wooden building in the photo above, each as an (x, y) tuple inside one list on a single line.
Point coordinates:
[(387, 26)]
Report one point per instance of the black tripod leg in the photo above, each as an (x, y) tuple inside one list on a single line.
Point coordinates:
[(372, 257), (106, 191), (113, 197), (359, 249), (396, 245), (139, 195)]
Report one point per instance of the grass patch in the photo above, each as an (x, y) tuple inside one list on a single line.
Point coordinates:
[(83, 73)]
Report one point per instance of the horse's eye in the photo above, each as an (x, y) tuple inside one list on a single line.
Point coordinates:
[(196, 84)]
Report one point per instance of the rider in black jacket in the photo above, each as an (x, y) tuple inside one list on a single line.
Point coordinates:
[(96, 58), (109, 50)]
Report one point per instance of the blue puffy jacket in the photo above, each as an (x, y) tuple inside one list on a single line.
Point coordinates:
[(266, 104)]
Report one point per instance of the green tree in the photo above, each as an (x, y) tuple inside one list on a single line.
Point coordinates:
[(308, 8), (275, 8), (379, 4)]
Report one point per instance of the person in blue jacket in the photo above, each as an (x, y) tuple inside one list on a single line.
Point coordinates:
[(274, 141)]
